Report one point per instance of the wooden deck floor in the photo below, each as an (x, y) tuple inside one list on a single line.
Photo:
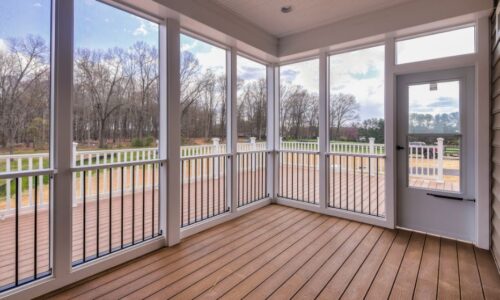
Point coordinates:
[(279, 252)]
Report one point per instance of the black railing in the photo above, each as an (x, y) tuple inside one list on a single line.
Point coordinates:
[(251, 177), (119, 208), (356, 183), (298, 176), (24, 228), (203, 188)]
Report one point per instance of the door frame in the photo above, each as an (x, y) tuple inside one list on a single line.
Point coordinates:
[(465, 76), (482, 98)]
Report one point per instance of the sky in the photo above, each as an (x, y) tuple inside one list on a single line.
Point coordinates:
[(360, 73), (424, 100), (214, 58), (97, 25)]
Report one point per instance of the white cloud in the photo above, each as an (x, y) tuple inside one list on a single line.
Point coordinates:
[(361, 74), (443, 100), (306, 74), (37, 4), (141, 30), (3, 46)]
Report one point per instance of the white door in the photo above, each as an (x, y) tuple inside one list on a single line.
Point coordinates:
[(435, 154)]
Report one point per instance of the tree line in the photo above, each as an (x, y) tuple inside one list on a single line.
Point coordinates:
[(116, 94)]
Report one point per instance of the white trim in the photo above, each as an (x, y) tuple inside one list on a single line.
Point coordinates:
[(424, 33), (217, 220), (482, 135), (334, 212), (390, 118), (203, 38), (163, 130), (250, 57), (134, 10)]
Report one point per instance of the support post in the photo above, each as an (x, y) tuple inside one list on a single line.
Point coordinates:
[(161, 143), (62, 135), (171, 34), (232, 130), (323, 138), (273, 133)]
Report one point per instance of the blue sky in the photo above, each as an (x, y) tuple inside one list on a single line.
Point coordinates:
[(97, 25)]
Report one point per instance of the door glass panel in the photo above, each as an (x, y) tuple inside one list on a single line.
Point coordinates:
[(434, 108), (433, 143)]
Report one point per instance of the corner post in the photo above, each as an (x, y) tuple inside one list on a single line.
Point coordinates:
[(323, 139), (62, 135), (173, 128)]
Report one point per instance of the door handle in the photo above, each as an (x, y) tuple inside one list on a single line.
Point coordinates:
[(400, 147)]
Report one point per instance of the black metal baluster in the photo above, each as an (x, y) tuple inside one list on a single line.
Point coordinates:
[(308, 178), (218, 185), (303, 171), (362, 185), (84, 236), (208, 187), (35, 242), (133, 205), (314, 177), (158, 211), (332, 170), (287, 174), (253, 178), (238, 161), (195, 182), (153, 202), (143, 202), (189, 191), (224, 187), (377, 187), (347, 181), (97, 216), (110, 206), (182, 193), (201, 192), (121, 208), (354, 181), (370, 185), (282, 174), (295, 172), (340, 182), (265, 174), (17, 233), (213, 183), (247, 187)]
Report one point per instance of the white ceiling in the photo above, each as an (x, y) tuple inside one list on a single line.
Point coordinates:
[(306, 14)]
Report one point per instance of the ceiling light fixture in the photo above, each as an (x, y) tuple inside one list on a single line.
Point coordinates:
[(286, 9)]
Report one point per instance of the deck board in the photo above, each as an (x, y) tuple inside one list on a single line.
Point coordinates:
[(280, 252)]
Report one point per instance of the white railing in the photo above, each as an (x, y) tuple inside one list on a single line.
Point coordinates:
[(425, 161)]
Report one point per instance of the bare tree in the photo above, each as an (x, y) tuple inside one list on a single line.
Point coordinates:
[(23, 68), (343, 109), (104, 83), (144, 71)]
